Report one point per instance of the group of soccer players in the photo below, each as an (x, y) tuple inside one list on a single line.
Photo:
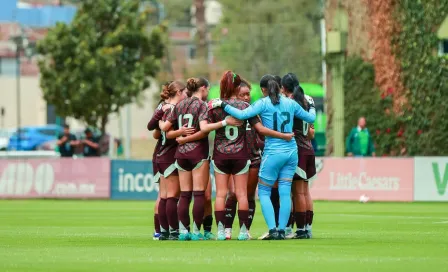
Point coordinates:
[(267, 145)]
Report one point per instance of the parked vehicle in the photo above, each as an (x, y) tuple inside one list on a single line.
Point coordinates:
[(5, 134), (29, 138), (48, 145)]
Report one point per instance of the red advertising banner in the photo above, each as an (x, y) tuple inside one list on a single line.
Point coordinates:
[(378, 179), (55, 178)]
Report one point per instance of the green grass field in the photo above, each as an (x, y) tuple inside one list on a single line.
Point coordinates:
[(50, 235)]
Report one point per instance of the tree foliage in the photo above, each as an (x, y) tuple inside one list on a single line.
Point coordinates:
[(424, 75), (362, 98), (257, 37), (101, 61)]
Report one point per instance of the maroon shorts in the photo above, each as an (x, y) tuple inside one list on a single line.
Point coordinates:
[(167, 169), (255, 163), (306, 168), (231, 166), (155, 171), (189, 165)]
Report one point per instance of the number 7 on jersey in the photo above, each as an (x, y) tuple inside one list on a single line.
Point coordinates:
[(188, 117)]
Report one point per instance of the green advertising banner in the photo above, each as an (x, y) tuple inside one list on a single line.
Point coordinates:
[(431, 179)]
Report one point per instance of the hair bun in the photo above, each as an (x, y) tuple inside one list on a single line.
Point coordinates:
[(192, 84), (165, 92)]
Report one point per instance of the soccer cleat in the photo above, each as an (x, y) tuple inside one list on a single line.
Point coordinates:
[(221, 235), (281, 235), (309, 234), (221, 232), (208, 235), (164, 236), (262, 237), (243, 236), (250, 236), (197, 237), (273, 235), (228, 232), (184, 236), (289, 234), (156, 236), (301, 234), (174, 236)]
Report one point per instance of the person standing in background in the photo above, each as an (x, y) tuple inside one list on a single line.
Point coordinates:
[(67, 143), (359, 142), (90, 145)]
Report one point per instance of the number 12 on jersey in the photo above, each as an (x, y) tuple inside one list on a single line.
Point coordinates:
[(286, 121)]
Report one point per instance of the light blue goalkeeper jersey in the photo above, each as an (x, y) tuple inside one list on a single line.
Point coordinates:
[(276, 117)]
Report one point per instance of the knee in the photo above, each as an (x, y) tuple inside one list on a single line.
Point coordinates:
[(208, 197), (299, 194), (264, 190), (306, 189), (241, 196), (221, 194), (251, 197), (173, 194)]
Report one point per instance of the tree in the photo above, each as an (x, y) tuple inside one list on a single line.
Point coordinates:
[(201, 38), (258, 37), (201, 27), (101, 61)]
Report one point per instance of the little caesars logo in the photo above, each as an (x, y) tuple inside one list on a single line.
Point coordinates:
[(21, 179), (363, 181)]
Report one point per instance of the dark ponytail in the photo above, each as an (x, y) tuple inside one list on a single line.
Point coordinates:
[(274, 92), (268, 82), (299, 96), (291, 84)]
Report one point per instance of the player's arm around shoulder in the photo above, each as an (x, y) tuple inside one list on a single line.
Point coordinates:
[(156, 134), (272, 133), (311, 133), (302, 114), (169, 117), (247, 113)]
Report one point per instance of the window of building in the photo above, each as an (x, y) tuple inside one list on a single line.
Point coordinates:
[(443, 48), (8, 66)]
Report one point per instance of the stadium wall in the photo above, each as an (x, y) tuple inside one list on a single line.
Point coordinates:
[(343, 179), (55, 178)]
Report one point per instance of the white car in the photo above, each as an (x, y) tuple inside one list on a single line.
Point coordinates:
[(5, 134)]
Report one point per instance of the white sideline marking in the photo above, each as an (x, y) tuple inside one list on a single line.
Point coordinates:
[(394, 216), (443, 222)]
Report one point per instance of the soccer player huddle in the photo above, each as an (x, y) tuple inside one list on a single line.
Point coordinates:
[(266, 145)]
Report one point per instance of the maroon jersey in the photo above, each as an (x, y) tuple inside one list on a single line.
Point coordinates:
[(230, 141), (301, 129), (154, 124), (168, 147), (189, 111), (156, 117), (253, 140)]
